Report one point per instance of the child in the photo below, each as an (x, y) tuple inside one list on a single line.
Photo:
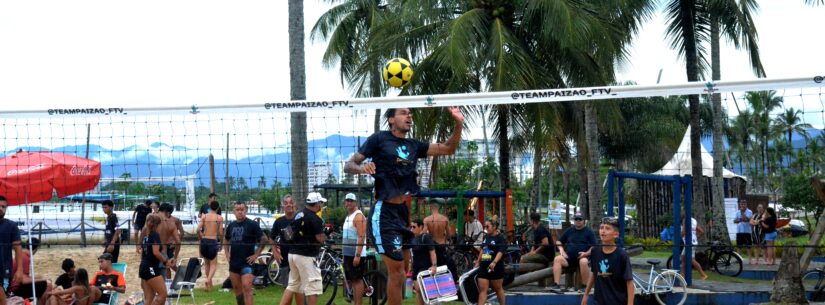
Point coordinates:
[(612, 273)]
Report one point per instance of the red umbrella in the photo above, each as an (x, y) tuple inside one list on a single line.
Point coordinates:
[(32, 176)]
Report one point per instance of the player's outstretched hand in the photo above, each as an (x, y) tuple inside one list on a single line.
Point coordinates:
[(456, 113)]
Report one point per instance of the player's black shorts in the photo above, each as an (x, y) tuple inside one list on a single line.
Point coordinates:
[(241, 268), (744, 239), (353, 272), (147, 272), (390, 227), (496, 274), (209, 248)]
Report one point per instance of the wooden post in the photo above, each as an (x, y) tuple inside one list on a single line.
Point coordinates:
[(480, 210), (816, 235)]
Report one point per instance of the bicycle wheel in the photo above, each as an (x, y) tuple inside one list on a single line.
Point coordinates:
[(375, 288), (728, 264), (812, 281), (273, 271), (670, 287), (329, 284), (462, 262)]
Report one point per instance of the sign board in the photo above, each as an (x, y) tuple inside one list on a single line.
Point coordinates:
[(731, 206), (554, 213)]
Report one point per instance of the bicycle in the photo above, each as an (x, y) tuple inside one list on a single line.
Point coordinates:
[(812, 282), (668, 287), (331, 263), (462, 254), (725, 259)]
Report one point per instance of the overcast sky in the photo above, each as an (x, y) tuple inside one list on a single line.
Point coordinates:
[(69, 54)]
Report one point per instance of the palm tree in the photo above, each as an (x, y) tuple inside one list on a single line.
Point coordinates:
[(763, 103), (686, 29), (297, 86), (790, 122), (732, 19)]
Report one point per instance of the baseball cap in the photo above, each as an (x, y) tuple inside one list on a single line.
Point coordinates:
[(106, 256), (351, 196), (315, 197), (578, 215)]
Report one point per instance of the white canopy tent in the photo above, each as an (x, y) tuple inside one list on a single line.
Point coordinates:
[(680, 164)]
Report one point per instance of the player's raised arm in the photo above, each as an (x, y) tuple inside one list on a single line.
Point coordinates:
[(449, 147), (354, 166)]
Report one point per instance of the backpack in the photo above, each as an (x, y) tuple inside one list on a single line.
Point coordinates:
[(295, 228)]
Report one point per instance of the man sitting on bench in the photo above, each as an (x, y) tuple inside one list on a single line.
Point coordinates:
[(574, 249)]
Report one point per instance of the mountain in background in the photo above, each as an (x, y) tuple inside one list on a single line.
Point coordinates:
[(164, 160)]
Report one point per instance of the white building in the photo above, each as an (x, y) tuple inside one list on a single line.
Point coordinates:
[(318, 173)]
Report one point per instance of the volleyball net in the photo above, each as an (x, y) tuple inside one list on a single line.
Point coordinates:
[(242, 152)]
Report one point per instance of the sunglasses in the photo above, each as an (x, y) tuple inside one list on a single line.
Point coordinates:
[(578, 219)]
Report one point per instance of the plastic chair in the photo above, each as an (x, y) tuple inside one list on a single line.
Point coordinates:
[(185, 279), (437, 288)]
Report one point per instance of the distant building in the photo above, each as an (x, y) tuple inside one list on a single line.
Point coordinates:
[(318, 173)]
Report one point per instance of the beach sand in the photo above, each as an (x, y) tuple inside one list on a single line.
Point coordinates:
[(48, 260)]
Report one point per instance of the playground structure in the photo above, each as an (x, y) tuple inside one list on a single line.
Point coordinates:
[(681, 187)]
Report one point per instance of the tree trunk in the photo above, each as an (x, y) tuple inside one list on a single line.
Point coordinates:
[(688, 11), (594, 187), (536, 189), (297, 86), (787, 286), (719, 230), (504, 145), (377, 126)]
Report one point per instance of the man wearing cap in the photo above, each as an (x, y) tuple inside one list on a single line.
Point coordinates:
[(393, 165), (353, 246), (574, 250), (304, 274), (243, 234), (108, 280), (111, 235)]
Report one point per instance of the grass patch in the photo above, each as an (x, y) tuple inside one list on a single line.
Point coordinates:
[(268, 295)]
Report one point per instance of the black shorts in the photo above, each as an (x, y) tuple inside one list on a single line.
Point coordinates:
[(390, 224), (240, 268), (496, 274), (139, 226), (25, 291), (115, 252), (744, 239), (209, 248), (146, 271), (353, 272), (170, 251)]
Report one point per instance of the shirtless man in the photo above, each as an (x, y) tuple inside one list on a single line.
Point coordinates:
[(210, 228), (174, 228), (167, 230), (438, 226)]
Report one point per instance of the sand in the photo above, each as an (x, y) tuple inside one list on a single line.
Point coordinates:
[(48, 260)]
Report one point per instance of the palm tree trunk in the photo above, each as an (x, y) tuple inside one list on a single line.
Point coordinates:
[(719, 230), (504, 145), (377, 126), (688, 11), (537, 158), (297, 86), (594, 192)]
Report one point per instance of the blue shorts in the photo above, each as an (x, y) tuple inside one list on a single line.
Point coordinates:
[(390, 228), (770, 236)]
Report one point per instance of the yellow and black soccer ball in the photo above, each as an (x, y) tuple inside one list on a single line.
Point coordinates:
[(398, 72)]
